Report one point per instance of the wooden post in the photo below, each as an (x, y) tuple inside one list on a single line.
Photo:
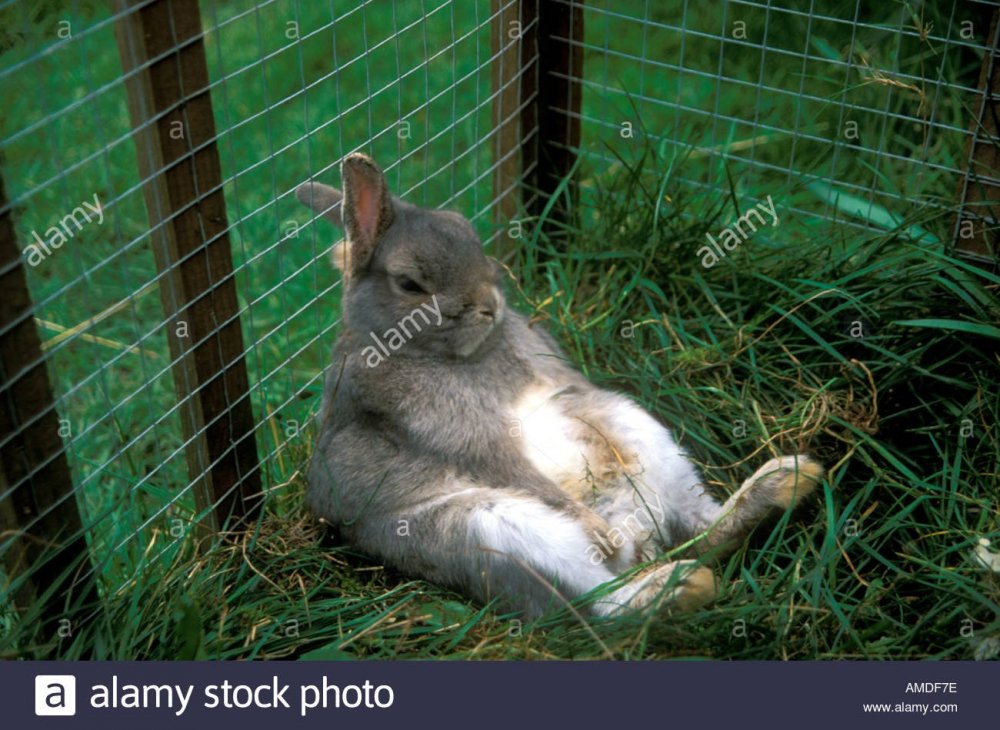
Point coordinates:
[(977, 228), (553, 31), (41, 534), (508, 136), (163, 57)]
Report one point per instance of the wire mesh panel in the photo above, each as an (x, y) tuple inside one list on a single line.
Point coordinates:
[(290, 87), (855, 112)]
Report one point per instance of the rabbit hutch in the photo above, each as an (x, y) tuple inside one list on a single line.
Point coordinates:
[(168, 307)]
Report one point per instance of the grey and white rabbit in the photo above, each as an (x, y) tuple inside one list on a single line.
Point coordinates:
[(457, 444)]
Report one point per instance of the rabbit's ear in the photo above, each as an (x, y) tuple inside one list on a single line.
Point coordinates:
[(323, 199), (367, 207)]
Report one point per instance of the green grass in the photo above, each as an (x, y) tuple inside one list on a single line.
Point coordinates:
[(757, 356)]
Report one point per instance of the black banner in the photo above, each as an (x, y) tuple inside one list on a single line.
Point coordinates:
[(481, 695)]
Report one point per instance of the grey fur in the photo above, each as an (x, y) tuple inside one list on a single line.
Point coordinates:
[(415, 463)]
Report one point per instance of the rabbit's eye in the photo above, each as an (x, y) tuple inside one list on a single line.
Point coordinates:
[(409, 285)]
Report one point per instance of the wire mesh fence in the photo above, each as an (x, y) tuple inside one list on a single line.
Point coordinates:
[(115, 185), (182, 298), (858, 113)]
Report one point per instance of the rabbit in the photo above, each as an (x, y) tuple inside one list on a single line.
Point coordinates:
[(457, 444)]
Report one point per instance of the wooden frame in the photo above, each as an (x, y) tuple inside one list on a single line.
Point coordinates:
[(163, 57), (39, 516), (978, 189), (507, 48), (549, 60)]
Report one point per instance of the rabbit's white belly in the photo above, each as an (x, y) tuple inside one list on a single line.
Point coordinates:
[(567, 449)]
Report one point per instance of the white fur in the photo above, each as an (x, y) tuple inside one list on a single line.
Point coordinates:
[(661, 459), (548, 436), (554, 547), (663, 483), (656, 477), (552, 544)]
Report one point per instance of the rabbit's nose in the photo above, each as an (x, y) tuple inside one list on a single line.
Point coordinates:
[(489, 303), (496, 307)]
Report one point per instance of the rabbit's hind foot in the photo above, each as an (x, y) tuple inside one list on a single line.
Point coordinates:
[(681, 585), (786, 480)]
